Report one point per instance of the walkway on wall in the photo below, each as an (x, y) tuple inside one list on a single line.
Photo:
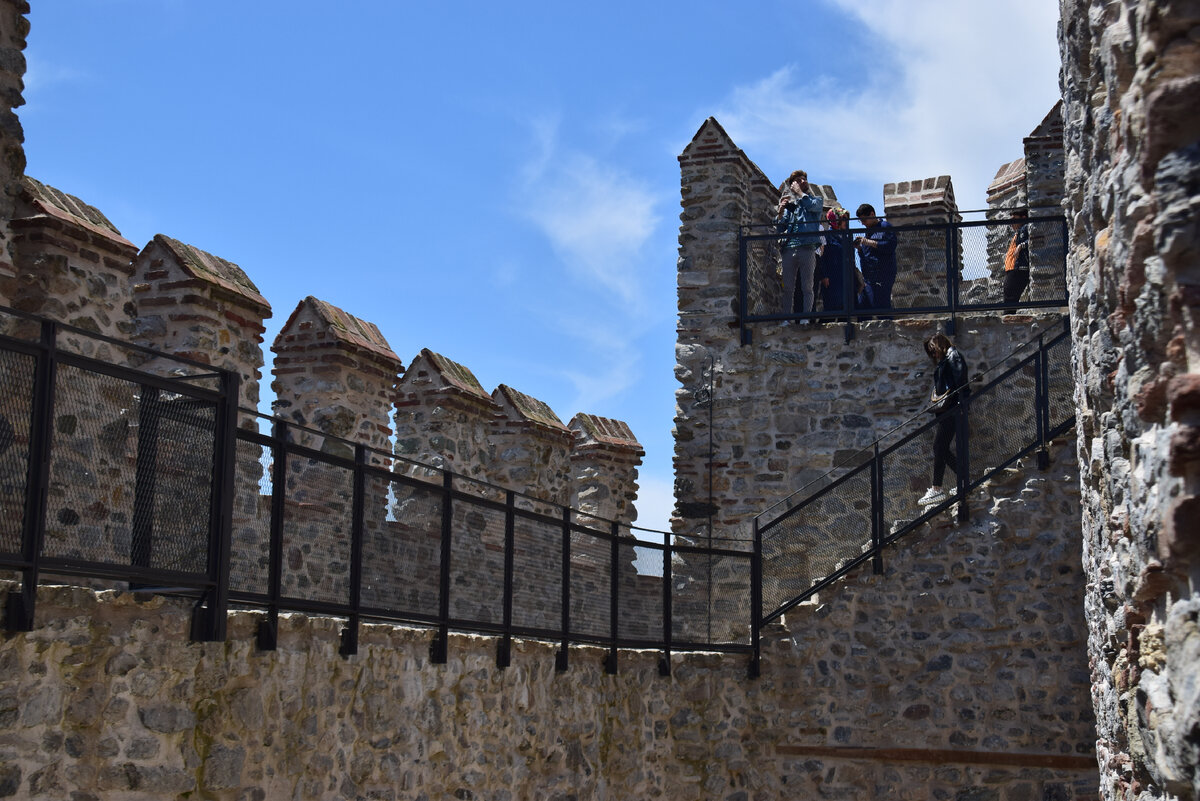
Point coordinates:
[(854, 513), (159, 482)]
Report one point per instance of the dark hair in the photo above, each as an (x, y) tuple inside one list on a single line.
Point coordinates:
[(937, 346), (865, 210)]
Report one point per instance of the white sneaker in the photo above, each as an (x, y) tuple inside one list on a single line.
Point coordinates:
[(933, 496)]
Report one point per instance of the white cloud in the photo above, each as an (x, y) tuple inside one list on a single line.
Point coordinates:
[(596, 217), (41, 75), (655, 503), (969, 80)]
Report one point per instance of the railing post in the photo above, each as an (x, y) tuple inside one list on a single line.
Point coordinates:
[(504, 647), (754, 670), (877, 512), (1042, 403), (208, 623), (664, 664), (268, 630), (560, 659), (439, 648), (952, 250), (614, 606), (849, 287), (349, 645), (743, 288), (20, 606), (141, 543), (962, 476)]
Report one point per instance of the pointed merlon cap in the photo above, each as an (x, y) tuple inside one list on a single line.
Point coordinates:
[(1051, 125), (454, 376), (1009, 177), (591, 429), (525, 408), (710, 140), (50, 202), (344, 327), (213, 270)]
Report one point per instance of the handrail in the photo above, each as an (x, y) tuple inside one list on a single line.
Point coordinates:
[(937, 272), (989, 440), (188, 497)]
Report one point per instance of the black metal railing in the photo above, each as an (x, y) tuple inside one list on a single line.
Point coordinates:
[(162, 484), (943, 269), (849, 517)]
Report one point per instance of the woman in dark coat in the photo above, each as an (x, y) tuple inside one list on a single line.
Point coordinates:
[(949, 389)]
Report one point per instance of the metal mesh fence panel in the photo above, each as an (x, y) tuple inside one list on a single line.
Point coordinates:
[(477, 563), (762, 273), (174, 477), (316, 530), (591, 584), (692, 575), (984, 249), (402, 557), (905, 474), (537, 574), (16, 394), (640, 592), (808, 543), (920, 268), (89, 504), (1062, 383), (250, 536), (1003, 420), (730, 622)]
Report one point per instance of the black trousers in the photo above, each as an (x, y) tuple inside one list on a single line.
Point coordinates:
[(1015, 284), (942, 455)]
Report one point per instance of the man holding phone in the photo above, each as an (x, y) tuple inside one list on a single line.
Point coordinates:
[(798, 218)]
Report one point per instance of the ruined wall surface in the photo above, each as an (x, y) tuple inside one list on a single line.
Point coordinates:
[(1131, 88), (14, 27), (888, 690)]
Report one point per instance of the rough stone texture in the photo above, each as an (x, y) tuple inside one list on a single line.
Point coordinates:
[(921, 268), (604, 461), (14, 27), (443, 417), (532, 447), (337, 374), (193, 304), (794, 404), (107, 699), (1131, 89), (72, 265)]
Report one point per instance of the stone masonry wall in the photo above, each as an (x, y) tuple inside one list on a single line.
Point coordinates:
[(896, 688), (14, 28), (1131, 89)]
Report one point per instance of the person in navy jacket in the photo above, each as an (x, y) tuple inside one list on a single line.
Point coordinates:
[(877, 253)]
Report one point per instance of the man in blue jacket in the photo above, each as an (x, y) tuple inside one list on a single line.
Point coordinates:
[(798, 217), (877, 254)]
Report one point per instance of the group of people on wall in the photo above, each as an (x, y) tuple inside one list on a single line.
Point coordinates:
[(814, 245)]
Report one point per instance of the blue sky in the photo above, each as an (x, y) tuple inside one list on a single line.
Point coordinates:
[(498, 181)]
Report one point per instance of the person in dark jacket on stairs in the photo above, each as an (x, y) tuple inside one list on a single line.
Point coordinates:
[(950, 388)]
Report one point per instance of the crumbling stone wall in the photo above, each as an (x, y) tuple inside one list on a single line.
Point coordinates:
[(1131, 91), (909, 685), (14, 27)]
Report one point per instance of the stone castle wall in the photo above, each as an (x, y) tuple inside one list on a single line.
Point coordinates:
[(959, 673), (1131, 95)]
